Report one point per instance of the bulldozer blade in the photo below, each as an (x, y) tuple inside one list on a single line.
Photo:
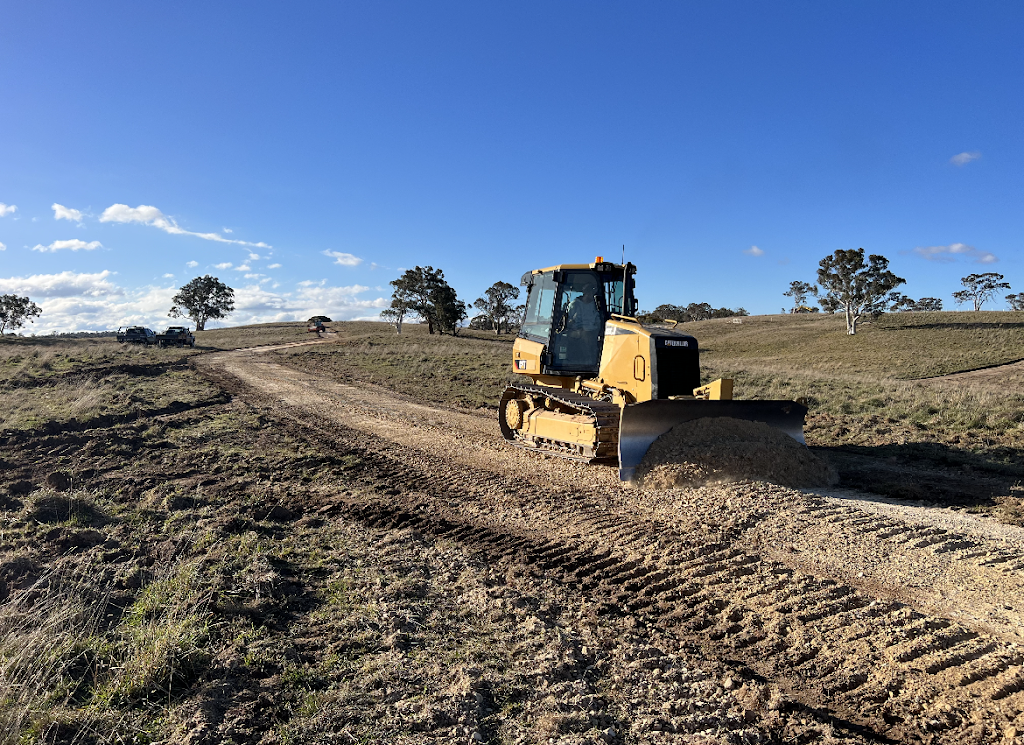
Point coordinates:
[(641, 424)]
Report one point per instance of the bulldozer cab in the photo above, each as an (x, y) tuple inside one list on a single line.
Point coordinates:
[(566, 310)]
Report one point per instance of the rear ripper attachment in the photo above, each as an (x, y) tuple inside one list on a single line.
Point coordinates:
[(603, 385)]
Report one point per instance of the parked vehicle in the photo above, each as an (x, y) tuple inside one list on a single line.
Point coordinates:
[(176, 336), (136, 335)]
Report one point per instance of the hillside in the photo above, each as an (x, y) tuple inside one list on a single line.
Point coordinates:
[(902, 346)]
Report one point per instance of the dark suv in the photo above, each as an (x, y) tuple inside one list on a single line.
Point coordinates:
[(136, 335)]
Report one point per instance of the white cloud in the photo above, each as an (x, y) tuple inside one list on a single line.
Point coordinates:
[(224, 265), (73, 245), (7, 209), (243, 268), (92, 302), (226, 230), (60, 212), (962, 159), (274, 266), (256, 304), (168, 276), (754, 251), (65, 284), (343, 259), (254, 276), (952, 251), (192, 264), (254, 257), (3, 247), (149, 215)]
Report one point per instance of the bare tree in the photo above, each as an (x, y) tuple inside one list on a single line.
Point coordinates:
[(856, 286), (979, 288), (1016, 301), (395, 315)]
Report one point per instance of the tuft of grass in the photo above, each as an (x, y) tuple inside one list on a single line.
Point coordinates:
[(159, 647), (63, 670)]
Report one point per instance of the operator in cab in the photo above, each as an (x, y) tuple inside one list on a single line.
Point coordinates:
[(584, 323)]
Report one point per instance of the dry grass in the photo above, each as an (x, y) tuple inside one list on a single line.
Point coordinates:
[(258, 335), (44, 635), (65, 670), (469, 370), (29, 360), (47, 381), (972, 410), (905, 346), (125, 395)]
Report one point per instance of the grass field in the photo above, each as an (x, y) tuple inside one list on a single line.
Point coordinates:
[(158, 566), (469, 370), (54, 381), (904, 346)]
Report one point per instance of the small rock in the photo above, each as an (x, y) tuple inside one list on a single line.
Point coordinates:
[(728, 684), (280, 512), (58, 481), (609, 734), (83, 538), (20, 488), (476, 737), (398, 641)]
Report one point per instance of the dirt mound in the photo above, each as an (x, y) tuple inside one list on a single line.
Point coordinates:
[(722, 449)]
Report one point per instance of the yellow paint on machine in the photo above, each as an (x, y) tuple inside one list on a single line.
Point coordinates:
[(575, 428)]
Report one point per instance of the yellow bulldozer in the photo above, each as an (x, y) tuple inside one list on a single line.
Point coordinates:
[(604, 385)]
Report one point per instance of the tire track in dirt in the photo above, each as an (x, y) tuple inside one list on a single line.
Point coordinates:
[(869, 664)]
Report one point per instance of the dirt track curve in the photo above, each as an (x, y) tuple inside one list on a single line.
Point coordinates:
[(890, 623)]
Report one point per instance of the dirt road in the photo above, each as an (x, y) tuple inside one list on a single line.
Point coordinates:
[(819, 614)]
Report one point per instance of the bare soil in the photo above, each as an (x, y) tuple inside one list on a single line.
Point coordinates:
[(815, 615), (717, 451), (386, 570)]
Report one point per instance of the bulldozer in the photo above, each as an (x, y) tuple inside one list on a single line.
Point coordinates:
[(604, 385)]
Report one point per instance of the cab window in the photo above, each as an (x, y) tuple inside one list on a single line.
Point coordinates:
[(540, 307)]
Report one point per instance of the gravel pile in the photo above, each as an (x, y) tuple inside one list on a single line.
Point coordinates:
[(720, 450)]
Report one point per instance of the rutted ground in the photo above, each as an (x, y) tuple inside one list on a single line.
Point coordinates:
[(308, 561), (867, 624)]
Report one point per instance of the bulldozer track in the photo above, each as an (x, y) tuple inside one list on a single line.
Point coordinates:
[(605, 415), (868, 664)]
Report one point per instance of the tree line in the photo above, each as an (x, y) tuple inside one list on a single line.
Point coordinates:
[(858, 287), (424, 293), (847, 281), (684, 313)]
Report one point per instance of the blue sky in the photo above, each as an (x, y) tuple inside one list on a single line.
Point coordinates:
[(307, 153)]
